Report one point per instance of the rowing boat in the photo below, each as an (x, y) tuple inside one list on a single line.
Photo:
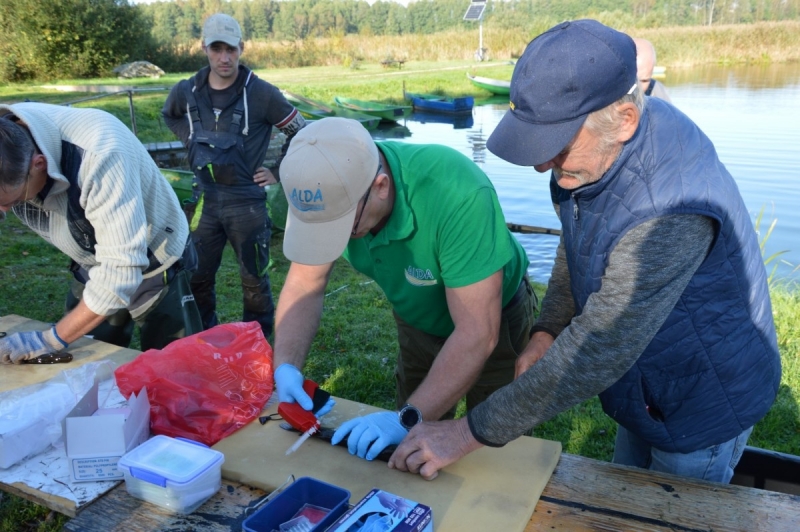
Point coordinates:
[(433, 103), (495, 86), (384, 111), (314, 110)]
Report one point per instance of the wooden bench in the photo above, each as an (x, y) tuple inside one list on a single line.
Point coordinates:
[(393, 62)]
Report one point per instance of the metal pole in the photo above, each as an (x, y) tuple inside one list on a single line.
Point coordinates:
[(480, 38), (133, 115)]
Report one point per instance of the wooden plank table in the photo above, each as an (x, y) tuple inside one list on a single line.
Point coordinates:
[(582, 495)]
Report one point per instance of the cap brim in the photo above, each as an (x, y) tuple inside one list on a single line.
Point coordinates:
[(230, 41), (528, 144), (317, 243)]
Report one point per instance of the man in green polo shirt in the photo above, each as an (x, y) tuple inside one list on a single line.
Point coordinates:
[(424, 222)]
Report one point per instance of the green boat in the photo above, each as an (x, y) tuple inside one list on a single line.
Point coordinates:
[(181, 181), (384, 111), (314, 110), (495, 86)]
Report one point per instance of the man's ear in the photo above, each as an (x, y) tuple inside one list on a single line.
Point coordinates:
[(241, 46), (383, 184), (629, 121), (39, 162)]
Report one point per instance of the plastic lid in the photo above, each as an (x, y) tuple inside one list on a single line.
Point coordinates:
[(176, 460)]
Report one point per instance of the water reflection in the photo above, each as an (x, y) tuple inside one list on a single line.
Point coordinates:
[(744, 76), (750, 114), (458, 121), (390, 131)]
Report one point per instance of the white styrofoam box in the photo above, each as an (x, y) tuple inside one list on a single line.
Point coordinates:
[(29, 423), (174, 473)]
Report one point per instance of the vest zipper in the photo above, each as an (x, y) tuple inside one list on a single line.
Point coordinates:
[(217, 112)]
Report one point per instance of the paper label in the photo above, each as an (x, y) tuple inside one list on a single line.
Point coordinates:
[(104, 468)]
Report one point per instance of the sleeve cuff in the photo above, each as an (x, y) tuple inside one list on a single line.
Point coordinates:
[(477, 436), (541, 328)]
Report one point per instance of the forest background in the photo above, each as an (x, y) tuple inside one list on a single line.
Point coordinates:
[(49, 39)]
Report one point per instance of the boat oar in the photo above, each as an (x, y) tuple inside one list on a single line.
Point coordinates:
[(532, 230)]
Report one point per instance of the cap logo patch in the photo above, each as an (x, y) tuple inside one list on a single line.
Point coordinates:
[(307, 200), (511, 105)]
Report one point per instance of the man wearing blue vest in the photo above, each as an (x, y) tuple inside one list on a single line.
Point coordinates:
[(658, 299), (224, 115)]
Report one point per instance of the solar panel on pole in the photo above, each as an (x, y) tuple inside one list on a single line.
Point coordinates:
[(475, 11)]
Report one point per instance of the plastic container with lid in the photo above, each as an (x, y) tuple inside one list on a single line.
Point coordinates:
[(174, 473)]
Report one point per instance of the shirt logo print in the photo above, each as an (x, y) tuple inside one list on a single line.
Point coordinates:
[(420, 277)]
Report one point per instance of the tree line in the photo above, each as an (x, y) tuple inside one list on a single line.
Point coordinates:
[(45, 39)]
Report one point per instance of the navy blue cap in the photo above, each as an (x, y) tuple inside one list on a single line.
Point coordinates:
[(564, 74)]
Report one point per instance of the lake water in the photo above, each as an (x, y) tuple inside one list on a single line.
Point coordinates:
[(751, 114)]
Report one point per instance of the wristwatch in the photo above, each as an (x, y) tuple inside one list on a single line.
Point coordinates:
[(409, 416)]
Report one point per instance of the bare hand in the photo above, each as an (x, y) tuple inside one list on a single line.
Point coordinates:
[(431, 446), (264, 177), (536, 349)]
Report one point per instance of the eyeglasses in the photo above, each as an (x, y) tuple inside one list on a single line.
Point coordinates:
[(365, 199)]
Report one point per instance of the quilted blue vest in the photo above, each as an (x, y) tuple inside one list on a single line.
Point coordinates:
[(713, 369)]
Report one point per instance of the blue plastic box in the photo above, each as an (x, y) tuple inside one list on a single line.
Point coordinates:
[(304, 490)]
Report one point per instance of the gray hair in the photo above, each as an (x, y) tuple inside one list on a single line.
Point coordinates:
[(16, 151), (605, 122)]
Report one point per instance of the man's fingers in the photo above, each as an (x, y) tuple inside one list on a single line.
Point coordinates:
[(343, 430), (429, 472), (305, 401), (365, 440)]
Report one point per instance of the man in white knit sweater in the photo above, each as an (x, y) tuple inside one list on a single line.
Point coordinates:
[(84, 182)]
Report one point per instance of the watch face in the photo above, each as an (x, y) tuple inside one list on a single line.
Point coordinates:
[(410, 416)]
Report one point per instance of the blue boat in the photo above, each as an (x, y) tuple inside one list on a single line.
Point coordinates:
[(434, 103)]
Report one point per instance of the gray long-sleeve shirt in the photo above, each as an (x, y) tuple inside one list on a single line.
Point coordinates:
[(647, 272)]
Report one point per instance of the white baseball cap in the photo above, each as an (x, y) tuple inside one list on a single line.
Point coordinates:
[(329, 166), (221, 28)]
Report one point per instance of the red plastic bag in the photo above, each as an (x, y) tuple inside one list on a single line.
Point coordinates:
[(206, 386)]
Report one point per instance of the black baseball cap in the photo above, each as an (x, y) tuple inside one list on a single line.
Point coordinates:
[(567, 72)]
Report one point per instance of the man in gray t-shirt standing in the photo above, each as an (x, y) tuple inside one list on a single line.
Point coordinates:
[(224, 115)]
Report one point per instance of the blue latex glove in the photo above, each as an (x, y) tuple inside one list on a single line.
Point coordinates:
[(327, 407), (373, 432), (17, 347), (397, 506), (289, 382), (377, 523)]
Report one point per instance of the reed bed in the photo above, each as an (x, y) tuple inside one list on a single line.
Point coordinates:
[(764, 42)]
